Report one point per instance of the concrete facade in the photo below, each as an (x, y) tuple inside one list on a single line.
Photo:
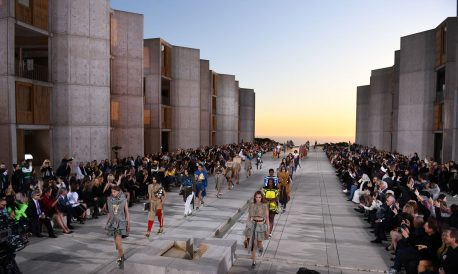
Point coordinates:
[(247, 106), (152, 88), (127, 83), (81, 76), (227, 107), (362, 114), (7, 86), (185, 98), (205, 102), (416, 94), (424, 93)]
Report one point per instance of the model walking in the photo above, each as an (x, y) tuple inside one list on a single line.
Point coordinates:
[(219, 177), (270, 193), (257, 226), (118, 224), (156, 195)]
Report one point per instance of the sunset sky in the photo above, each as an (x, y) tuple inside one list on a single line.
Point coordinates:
[(303, 58)]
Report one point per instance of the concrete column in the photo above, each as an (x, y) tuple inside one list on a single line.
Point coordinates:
[(226, 106), (205, 102), (80, 56), (247, 114), (185, 98), (416, 94), (362, 117), (127, 83), (152, 82), (395, 99)]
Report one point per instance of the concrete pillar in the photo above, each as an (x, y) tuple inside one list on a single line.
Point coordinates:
[(205, 102), (362, 117), (247, 115), (185, 98), (7, 84), (380, 101), (227, 106), (127, 83), (416, 94), (395, 100), (80, 57), (152, 82)]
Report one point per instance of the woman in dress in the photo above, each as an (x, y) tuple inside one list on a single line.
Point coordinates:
[(118, 224), (219, 176), (285, 187), (156, 196), (50, 209), (270, 193), (257, 226)]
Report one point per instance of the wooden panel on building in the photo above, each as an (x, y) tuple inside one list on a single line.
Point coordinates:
[(438, 121), (166, 117), (114, 111), (147, 117), (166, 60), (440, 45), (24, 105), (41, 105), (40, 14), (24, 11)]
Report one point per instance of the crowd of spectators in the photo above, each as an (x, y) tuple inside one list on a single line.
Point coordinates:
[(405, 203), (76, 192)]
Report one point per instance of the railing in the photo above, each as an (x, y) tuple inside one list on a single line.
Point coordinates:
[(31, 71)]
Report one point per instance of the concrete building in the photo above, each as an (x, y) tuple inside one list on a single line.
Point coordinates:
[(205, 102), (424, 93), (362, 114), (77, 79), (227, 108), (127, 83), (246, 115)]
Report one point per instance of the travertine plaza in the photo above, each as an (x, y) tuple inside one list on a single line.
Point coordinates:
[(78, 78), (412, 106)]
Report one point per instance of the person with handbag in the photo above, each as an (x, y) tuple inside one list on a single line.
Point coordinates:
[(156, 195), (257, 226)]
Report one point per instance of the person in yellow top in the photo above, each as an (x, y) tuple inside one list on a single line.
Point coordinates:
[(157, 195), (285, 186), (270, 193)]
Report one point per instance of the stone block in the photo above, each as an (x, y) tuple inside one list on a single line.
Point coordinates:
[(79, 105), (152, 89), (60, 107), (119, 76), (135, 111), (99, 19), (4, 101), (99, 72), (81, 143), (185, 64), (79, 60), (185, 93), (100, 142), (60, 58), (60, 19)]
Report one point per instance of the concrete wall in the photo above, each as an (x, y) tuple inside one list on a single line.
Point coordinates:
[(450, 128), (152, 82), (416, 94), (127, 83), (380, 109), (395, 104), (185, 98), (247, 114), (7, 86), (227, 105), (205, 102), (362, 117), (81, 76)]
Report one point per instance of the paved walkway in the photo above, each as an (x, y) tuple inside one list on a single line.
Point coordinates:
[(88, 249), (319, 230)]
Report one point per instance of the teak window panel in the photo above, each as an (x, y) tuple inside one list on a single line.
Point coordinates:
[(33, 12), (166, 117), (441, 45), (166, 61), (438, 121), (32, 104), (114, 111)]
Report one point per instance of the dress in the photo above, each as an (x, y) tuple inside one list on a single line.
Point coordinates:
[(285, 188), (117, 225), (155, 192)]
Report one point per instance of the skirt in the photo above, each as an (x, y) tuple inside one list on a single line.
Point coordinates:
[(260, 233), (115, 229)]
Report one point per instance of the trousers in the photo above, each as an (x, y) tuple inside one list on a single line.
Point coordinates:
[(187, 204)]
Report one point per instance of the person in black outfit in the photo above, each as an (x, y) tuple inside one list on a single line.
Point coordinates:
[(449, 262), (37, 216)]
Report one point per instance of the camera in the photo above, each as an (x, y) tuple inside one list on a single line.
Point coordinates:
[(13, 238)]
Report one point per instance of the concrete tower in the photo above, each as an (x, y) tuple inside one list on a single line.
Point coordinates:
[(416, 94), (227, 106), (205, 102), (247, 115), (127, 83), (362, 117), (185, 98)]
